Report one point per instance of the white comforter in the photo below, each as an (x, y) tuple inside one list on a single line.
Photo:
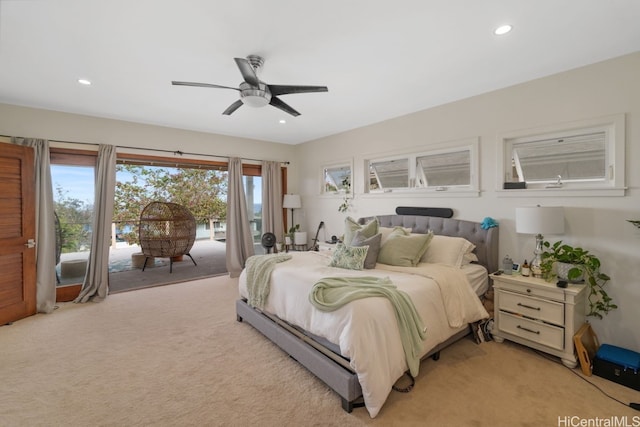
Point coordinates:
[(366, 330)]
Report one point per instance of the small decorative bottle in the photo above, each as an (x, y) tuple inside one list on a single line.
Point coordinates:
[(526, 270)]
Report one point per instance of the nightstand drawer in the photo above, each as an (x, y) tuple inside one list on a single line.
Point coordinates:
[(548, 335), (546, 310), (535, 291)]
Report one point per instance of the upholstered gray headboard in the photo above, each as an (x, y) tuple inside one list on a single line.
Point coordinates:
[(486, 241)]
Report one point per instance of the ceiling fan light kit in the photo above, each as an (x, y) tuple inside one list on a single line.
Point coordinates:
[(256, 93), (254, 97)]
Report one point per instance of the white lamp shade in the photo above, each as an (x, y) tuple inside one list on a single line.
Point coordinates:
[(540, 220), (292, 201)]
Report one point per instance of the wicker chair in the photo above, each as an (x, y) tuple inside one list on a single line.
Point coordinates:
[(166, 230)]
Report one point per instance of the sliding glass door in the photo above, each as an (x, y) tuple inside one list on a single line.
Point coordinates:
[(73, 176)]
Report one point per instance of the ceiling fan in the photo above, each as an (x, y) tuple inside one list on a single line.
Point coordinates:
[(256, 93)]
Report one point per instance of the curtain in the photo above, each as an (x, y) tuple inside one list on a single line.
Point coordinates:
[(272, 220), (45, 225), (96, 280), (239, 241)]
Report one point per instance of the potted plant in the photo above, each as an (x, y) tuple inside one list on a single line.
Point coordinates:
[(582, 266), (288, 238), (300, 238)]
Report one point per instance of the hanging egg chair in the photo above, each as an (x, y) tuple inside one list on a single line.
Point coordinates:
[(166, 230)]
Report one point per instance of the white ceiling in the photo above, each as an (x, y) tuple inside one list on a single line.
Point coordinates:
[(380, 58)]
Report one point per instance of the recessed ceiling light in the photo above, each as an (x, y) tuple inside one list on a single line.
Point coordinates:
[(503, 29), (283, 121), (84, 82)]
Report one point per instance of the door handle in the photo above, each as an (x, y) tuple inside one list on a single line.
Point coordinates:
[(31, 243)]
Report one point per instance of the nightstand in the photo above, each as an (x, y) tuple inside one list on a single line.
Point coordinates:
[(538, 314), (326, 246)]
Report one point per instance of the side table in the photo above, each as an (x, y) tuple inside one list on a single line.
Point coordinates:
[(538, 314)]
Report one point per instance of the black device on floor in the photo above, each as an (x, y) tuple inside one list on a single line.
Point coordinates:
[(618, 365)]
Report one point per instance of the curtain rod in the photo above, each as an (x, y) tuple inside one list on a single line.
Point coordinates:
[(176, 152)]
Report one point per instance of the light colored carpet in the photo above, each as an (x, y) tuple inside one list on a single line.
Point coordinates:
[(175, 356)]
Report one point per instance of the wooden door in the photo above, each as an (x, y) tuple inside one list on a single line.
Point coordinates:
[(17, 227)]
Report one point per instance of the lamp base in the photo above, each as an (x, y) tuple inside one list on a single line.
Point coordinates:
[(536, 269)]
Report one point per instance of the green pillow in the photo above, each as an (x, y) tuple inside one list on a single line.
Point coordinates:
[(374, 247), (403, 250), (350, 257), (370, 229)]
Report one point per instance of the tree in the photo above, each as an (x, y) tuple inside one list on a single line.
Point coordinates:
[(75, 222), (202, 191)]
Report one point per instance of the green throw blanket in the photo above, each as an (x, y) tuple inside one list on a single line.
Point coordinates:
[(259, 268), (331, 293)]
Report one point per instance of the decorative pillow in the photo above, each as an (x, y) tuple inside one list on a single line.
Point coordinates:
[(350, 257), (370, 229), (403, 250), (386, 232), (374, 247), (448, 250)]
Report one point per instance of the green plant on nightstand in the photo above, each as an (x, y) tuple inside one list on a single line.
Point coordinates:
[(583, 266)]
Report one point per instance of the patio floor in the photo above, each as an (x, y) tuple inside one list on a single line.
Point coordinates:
[(209, 255)]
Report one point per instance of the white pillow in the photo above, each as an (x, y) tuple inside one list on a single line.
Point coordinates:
[(469, 257), (449, 250)]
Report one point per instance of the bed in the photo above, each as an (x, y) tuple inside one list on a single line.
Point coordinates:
[(356, 350)]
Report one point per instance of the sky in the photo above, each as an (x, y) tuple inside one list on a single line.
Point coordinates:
[(75, 181)]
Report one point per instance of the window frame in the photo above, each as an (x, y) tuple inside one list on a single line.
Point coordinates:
[(614, 183), (473, 189), (340, 192)]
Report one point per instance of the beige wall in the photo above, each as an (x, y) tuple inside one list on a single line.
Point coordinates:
[(36, 123), (595, 223)]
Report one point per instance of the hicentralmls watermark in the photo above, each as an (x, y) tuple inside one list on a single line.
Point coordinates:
[(615, 421)]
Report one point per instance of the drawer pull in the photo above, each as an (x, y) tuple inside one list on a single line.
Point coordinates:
[(528, 330), (528, 306)]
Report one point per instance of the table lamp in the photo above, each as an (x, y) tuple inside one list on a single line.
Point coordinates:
[(539, 220), (291, 201)]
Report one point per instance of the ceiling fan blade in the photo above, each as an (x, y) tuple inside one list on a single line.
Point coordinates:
[(276, 102), (233, 107), (286, 89), (202, 85), (248, 73)]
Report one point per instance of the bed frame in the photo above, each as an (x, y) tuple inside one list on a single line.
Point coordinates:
[(332, 368)]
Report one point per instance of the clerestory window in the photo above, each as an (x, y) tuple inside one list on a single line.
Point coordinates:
[(451, 167), (584, 155), (337, 179)]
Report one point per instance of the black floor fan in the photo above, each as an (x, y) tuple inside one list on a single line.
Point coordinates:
[(268, 242)]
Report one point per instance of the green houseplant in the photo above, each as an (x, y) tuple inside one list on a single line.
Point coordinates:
[(291, 232), (583, 264)]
